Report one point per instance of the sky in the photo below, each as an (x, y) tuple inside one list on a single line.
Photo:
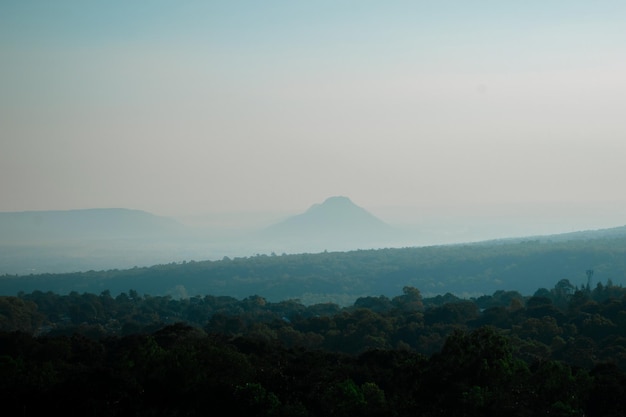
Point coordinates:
[(192, 107)]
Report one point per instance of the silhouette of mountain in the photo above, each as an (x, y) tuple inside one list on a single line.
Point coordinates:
[(337, 223), (86, 239), (102, 223)]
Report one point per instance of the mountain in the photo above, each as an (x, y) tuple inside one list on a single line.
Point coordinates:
[(81, 240), (60, 225), (335, 224)]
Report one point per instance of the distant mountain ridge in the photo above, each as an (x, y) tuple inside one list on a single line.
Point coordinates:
[(115, 238), (97, 223)]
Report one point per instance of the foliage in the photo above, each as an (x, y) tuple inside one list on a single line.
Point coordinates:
[(462, 270), (180, 370), (559, 351)]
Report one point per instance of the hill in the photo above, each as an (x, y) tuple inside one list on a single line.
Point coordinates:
[(80, 240), (102, 223), (465, 270), (335, 224)]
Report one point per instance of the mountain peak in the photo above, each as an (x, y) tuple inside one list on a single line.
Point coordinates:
[(338, 199), (334, 203), (335, 220)]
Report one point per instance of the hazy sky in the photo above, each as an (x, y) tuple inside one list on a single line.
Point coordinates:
[(180, 107)]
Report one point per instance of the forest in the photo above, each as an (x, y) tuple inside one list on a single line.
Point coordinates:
[(465, 270), (560, 351)]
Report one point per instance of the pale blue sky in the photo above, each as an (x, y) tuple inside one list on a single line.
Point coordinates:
[(198, 106)]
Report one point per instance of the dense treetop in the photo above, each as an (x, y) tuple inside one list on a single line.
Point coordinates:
[(560, 351), (552, 323)]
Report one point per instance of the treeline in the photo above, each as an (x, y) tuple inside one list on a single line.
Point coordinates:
[(560, 352), (342, 277), (579, 325)]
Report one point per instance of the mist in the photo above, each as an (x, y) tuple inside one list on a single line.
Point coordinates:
[(83, 240), (199, 109)]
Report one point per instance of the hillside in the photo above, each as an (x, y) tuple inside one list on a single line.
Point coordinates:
[(341, 277)]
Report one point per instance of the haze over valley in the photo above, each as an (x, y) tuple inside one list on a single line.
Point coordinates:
[(100, 239), (142, 133)]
